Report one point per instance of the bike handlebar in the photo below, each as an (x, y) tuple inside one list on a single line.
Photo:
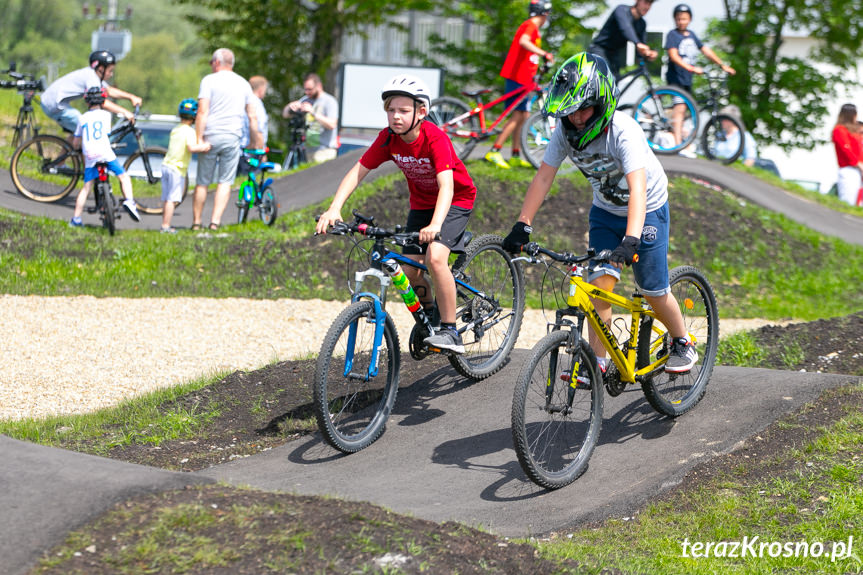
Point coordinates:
[(533, 249)]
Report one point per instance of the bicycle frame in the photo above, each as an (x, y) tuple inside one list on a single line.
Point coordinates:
[(381, 257), (480, 108), (579, 300)]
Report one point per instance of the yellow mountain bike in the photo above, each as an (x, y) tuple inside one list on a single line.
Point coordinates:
[(557, 404)]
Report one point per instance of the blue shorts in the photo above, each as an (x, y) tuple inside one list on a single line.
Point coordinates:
[(510, 86), (114, 167), (651, 269), (66, 117)]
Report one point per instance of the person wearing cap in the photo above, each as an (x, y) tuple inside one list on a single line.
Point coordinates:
[(849, 154), (56, 99), (441, 197), (683, 47), (728, 146), (519, 68), (625, 24)]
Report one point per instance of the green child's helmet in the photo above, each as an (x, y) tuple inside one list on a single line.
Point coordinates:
[(582, 81)]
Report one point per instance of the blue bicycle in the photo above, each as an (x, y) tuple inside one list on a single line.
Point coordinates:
[(357, 375), (257, 189)]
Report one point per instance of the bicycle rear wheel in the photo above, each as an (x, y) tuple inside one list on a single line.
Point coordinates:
[(488, 318), (557, 410), (720, 144), (147, 183), (108, 209), (269, 208), (351, 404), (46, 168), (655, 113), (445, 113), (675, 394)]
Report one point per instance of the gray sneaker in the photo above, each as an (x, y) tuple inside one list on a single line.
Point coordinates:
[(682, 356), (446, 338)]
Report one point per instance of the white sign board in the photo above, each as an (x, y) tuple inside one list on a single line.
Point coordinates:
[(362, 83)]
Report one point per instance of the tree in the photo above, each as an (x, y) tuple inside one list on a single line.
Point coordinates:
[(784, 96)]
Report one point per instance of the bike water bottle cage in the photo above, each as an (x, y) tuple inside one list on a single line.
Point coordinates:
[(583, 81)]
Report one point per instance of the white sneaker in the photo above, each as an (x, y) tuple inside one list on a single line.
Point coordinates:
[(132, 208), (687, 154)]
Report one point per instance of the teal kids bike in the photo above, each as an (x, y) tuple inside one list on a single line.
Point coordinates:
[(257, 190)]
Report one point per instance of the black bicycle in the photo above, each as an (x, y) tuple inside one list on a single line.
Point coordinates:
[(106, 202), (297, 152), (27, 85), (47, 168), (723, 137)]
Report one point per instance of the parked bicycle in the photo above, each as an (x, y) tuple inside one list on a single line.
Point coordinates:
[(47, 168), (557, 404), (357, 375), (257, 190), (25, 125), (723, 136), (466, 125), (652, 110)]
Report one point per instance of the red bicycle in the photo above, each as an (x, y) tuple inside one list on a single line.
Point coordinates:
[(466, 126)]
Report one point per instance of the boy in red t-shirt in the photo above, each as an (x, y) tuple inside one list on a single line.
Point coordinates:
[(519, 68), (441, 196)]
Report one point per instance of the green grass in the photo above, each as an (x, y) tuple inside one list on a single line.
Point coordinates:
[(818, 501), (136, 420)]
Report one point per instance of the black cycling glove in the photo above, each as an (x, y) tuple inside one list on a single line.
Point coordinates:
[(519, 236), (625, 252)]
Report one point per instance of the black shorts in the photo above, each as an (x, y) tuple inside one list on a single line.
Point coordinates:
[(451, 233)]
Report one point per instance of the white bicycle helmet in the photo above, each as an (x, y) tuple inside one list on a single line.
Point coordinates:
[(407, 85)]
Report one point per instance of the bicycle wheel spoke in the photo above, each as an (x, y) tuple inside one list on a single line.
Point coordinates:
[(658, 113), (453, 117), (675, 394), (490, 322), (46, 168), (147, 187)]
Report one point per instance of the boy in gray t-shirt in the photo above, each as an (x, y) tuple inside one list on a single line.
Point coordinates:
[(630, 194)]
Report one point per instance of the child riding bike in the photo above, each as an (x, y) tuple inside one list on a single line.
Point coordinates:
[(441, 197), (92, 136), (630, 212)]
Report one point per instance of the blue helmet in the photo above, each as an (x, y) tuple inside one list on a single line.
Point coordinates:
[(188, 108)]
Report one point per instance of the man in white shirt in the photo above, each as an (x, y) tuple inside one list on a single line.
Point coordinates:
[(224, 98)]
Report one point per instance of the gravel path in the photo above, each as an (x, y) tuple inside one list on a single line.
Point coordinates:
[(77, 354)]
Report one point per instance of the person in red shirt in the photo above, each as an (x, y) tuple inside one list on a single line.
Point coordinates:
[(849, 154), (519, 68), (441, 197)]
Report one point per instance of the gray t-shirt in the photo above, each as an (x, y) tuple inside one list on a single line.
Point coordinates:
[(69, 87), (325, 105), (228, 93), (620, 150)]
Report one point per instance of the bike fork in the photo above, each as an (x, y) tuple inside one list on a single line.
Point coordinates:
[(379, 321)]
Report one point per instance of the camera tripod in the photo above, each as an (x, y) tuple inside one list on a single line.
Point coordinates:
[(297, 153)]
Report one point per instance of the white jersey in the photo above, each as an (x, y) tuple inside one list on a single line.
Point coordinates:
[(93, 129), (69, 87), (228, 94), (620, 150)]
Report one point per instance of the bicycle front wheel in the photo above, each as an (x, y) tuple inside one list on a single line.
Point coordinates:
[(675, 394), (720, 143), (488, 315), (535, 136), (145, 169), (269, 208), (453, 117), (353, 395), (657, 113), (46, 168), (557, 410)]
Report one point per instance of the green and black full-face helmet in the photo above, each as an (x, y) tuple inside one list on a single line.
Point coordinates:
[(582, 81)]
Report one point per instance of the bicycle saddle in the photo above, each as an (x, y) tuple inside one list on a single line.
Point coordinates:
[(475, 93)]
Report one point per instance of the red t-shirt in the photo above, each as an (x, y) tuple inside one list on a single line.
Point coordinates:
[(849, 147), (421, 161), (521, 65)]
